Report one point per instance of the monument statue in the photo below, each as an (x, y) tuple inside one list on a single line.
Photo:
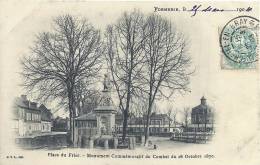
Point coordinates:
[(106, 99), (107, 83)]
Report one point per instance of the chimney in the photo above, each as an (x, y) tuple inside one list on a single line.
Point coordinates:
[(24, 97)]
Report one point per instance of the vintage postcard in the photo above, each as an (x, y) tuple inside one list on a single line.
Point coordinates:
[(128, 82)]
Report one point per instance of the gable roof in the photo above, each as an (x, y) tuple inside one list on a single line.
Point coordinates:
[(45, 113), (88, 116), (26, 104), (160, 116), (201, 109)]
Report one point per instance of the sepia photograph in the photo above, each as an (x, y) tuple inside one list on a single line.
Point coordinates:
[(123, 82)]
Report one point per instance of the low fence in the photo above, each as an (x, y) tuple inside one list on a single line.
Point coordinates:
[(108, 143), (55, 141), (192, 137), (161, 134), (87, 132), (158, 134)]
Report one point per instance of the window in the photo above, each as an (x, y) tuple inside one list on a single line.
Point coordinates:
[(153, 130), (28, 116), (35, 117), (165, 129), (157, 130)]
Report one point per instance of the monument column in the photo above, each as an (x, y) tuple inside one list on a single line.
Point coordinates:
[(106, 109)]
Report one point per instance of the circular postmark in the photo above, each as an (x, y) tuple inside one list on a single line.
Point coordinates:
[(239, 39)]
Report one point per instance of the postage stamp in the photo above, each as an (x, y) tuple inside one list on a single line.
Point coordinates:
[(239, 43)]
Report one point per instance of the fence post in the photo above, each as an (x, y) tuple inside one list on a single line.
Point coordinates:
[(142, 140), (195, 136), (115, 143), (76, 136), (91, 143), (130, 144), (106, 144), (134, 141)]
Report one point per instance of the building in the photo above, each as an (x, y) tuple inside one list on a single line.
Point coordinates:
[(46, 117), (32, 126), (201, 128), (202, 116), (160, 125), (27, 117)]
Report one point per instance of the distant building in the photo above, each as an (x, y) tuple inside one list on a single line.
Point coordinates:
[(46, 117), (159, 124), (202, 117), (202, 114), (27, 117)]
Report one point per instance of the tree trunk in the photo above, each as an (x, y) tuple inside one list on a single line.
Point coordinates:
[(126, 109), (147, 124), (146, 134), (70, 128), (71, 122), (169, 126), (125, 124), (72, 112)]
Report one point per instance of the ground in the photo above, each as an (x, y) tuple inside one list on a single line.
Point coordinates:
[(164, 143)]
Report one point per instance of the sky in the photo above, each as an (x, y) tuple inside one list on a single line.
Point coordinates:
[(36, 18)]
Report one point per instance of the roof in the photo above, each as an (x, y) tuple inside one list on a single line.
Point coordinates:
[(45, 113), (88, 116), (159, 116), (203, 98), (23, 102), (26, 104), (156, 116), (61, 119), (201, 109)]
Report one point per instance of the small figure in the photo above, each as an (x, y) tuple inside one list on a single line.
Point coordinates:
[(155, 146), (106, 82)]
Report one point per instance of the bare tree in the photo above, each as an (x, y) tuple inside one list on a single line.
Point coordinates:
[(124, 57), (86, 100), (172, 113), (174, 116), (63, 59), (140, 109), (167, 63), (186, 116), (169, 114)]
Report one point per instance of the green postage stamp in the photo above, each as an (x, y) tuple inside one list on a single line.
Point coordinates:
[(239, 43)]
